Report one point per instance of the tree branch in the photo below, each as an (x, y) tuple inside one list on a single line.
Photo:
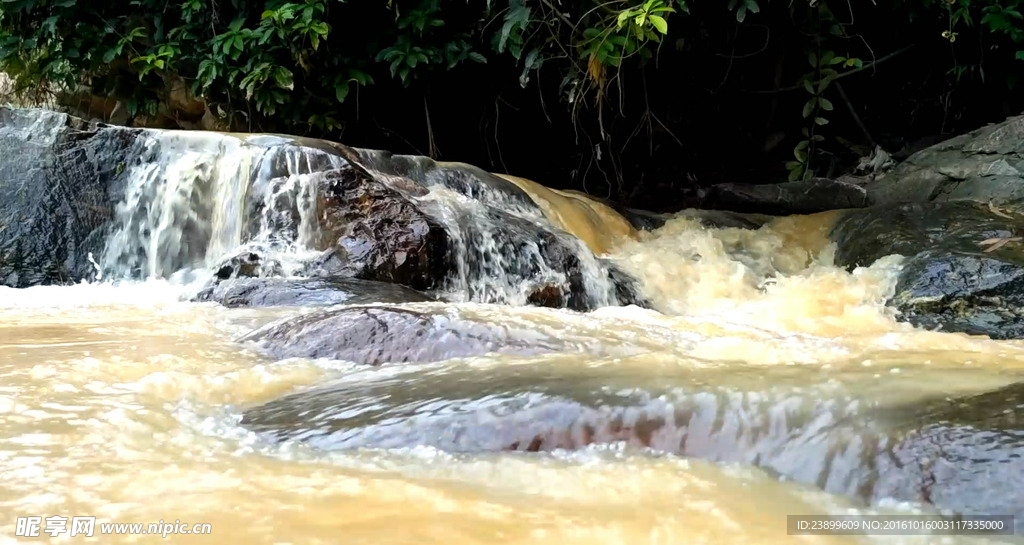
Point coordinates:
[(843, 75)]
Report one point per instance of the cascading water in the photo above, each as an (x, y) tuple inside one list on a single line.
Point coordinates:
[(192, 200), (189, 198)]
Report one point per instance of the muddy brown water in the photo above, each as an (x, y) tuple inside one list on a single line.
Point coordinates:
[(125, 403)]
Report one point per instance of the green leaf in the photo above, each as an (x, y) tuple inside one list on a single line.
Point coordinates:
[(476, 57), (821, 121), (284, 78), (812, 58), (623, 17), (809, 106), (659, 23), (1020, 56), (809, 86), (341, 91), (51, 24), (826, 104)]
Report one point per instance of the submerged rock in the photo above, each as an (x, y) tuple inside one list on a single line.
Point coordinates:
[(966, 456), (264, 292), (964, 270), (376, 335)]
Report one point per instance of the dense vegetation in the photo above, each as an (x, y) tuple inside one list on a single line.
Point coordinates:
[(626, 98)]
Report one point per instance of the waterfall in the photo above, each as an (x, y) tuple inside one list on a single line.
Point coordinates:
[(130, 204), (193, 200)]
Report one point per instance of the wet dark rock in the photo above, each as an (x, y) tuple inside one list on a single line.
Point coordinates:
[(965, 455), (948, 280), (376, 335), (802, 197), (59, 183), (263, 292), (372, 231), (547, 295), (642, 220), (247, 265), (524, 250), (468, 180), (983, 165), (513, 240), (725, 219), (627, 288)]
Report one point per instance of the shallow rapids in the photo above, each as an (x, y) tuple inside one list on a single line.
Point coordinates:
[(705, 420)]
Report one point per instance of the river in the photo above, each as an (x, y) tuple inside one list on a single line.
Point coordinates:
[(707, 418)]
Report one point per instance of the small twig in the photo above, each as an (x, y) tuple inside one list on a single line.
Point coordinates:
[(431, 146), (670, 133), (558, 13), (497, 117), (853, 113), (767, 40)]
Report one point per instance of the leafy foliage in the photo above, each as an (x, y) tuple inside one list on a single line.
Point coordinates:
[(300, 65), (296, 60)]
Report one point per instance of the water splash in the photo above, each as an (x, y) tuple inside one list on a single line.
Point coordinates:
[(780, 277)]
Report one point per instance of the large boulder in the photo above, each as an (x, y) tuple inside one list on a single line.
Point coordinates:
[(265, 292), (983, 165), (401, 219), (964, 267), (59, 183)]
